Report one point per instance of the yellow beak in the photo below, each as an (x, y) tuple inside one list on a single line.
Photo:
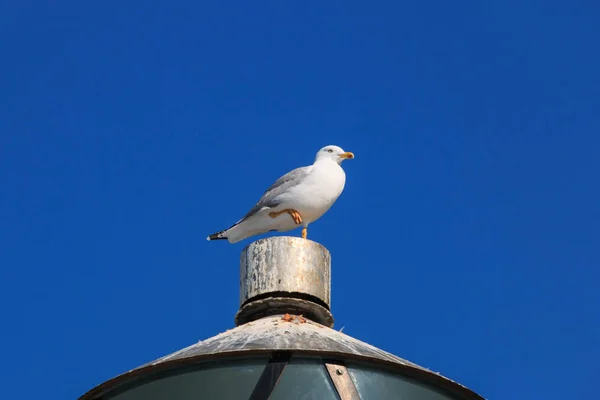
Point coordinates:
[(347, 155)]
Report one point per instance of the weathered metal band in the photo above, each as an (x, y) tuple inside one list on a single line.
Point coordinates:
[(261, 308), (342, 381)]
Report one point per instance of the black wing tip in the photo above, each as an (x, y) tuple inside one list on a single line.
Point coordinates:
[(217, 236)]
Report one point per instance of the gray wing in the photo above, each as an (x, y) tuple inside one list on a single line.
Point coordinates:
[(281, 185)]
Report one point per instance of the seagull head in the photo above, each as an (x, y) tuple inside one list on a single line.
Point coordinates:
[(333, 153)]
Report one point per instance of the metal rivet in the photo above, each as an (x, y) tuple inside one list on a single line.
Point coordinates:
[(339, 371)]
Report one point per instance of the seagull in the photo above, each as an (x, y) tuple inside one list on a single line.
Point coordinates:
[(299, 197)]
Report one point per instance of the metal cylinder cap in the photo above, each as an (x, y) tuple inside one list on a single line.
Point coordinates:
[(284, 274)]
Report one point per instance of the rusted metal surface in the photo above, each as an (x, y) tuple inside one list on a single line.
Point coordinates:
[(285, 268), (342, 381), (275, 333)]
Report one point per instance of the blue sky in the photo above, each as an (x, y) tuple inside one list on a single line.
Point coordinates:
[(466, 240)]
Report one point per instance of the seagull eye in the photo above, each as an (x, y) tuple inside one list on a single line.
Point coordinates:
[(330, 151)]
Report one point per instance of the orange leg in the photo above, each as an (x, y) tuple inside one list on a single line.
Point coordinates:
[(295, 215), (304, 233)]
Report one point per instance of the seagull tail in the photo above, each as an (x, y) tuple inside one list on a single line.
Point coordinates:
[(242, 230), (224, 234)]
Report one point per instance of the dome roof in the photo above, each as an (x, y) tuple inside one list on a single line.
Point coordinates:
[(284, 333)]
